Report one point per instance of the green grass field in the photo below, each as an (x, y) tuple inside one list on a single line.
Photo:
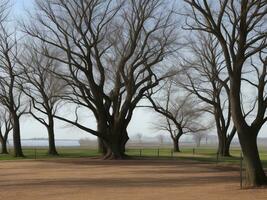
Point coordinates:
[(203, 154), (41, 153)]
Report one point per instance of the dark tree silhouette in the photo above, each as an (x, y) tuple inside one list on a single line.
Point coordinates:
[(241, 30), (43, 88), (180, 112), (204, 76), (10, 94), (112, 54), (5, 129)]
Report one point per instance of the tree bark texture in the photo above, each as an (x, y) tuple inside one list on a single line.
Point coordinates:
[(16, 136)]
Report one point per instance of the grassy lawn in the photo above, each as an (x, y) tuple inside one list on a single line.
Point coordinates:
[(202, 154), (41, 153)]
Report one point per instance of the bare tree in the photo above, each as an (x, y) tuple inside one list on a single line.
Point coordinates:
[(180, 113), (112, 55), (5, 128), (204, 77), (241, 29), (43, 88), (166, 125), (10, 94)]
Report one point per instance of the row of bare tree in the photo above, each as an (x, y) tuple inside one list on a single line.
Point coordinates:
[(225, 66), (238, 29), (105, 56)]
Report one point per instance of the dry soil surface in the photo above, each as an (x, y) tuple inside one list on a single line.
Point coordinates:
[(93, 179)]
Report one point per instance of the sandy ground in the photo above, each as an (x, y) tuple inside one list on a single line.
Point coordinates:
[(92, 179)]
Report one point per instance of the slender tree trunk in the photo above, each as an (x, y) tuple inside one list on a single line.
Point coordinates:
[(224, 145), (4, 147), (51, 139), (227, 148), (16, 136), (255, 175), (228, 141), (224, 149)]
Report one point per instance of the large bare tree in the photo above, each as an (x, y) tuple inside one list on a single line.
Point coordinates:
[(42, 86), (241, 29), (204, 76), (10, 94), (113, 53), (5, 128)]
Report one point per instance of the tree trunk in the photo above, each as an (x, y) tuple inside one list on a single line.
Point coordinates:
[(255, 175), (116, 147), (101, 128), (51, 139), (224, 149), (247, 135), (123, 143), (16, 136), (114, 139), (116, 144), (4, 147), (101, 146), (227, 147), (176, 146), (224, 146), (114, 150)]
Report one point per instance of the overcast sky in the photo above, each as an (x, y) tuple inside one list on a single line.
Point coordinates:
[(31, 129), (141, 122)]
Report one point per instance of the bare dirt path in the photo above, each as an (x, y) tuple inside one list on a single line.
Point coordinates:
[(92, 179)]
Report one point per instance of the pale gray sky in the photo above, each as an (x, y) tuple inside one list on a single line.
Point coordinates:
[(141, 122), (30, 128)]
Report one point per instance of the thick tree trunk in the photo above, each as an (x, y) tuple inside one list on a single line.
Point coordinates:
[(114, 140), (224, 146), (255, 175), (51, 139), (114, 150), (116, 145), (101, 128), (101, 146), (4, 147), (247, 135), (176, 146), (16, 136)]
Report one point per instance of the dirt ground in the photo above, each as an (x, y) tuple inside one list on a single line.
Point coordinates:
[(92, 179)]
